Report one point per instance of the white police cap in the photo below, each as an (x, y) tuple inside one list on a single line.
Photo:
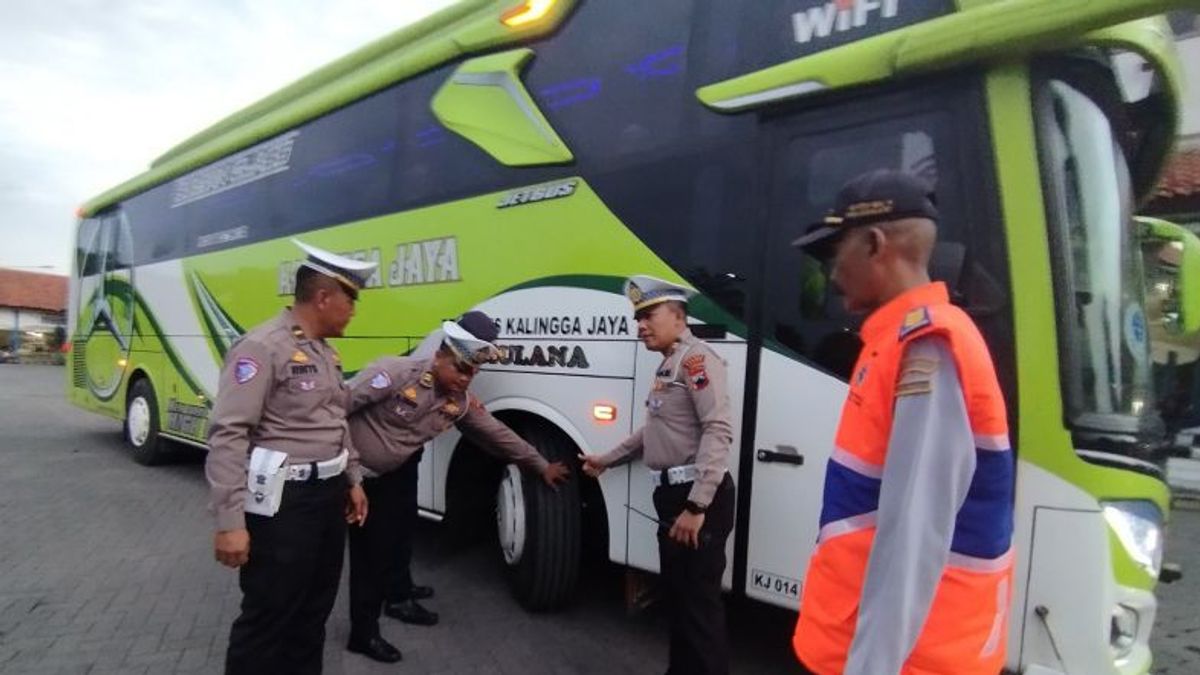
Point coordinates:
[(644, 291), (350, 272), (472, 338)]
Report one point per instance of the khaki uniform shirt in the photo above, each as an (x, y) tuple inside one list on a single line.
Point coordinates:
[(282, 391), (688, 418), (395, 409)]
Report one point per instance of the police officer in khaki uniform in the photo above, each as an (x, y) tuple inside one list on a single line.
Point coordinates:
[(280, 418), (685, 442), (397, 405)]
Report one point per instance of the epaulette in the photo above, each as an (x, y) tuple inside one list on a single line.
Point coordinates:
[(915, 320)]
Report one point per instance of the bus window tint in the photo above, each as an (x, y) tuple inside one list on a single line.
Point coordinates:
[(614, 82)]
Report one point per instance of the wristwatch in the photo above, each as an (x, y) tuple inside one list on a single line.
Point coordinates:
[(694, 508)]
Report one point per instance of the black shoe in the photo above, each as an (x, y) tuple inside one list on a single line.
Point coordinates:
[(376, 649), (410, 611)]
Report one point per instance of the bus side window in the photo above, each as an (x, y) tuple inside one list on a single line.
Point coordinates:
[(613, 82)]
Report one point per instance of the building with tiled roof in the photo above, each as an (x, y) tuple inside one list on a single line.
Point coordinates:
[(33, 306), (1178, 194), (1177, 197)]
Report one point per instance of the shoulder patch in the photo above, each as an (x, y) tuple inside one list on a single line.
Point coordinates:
[(245, 369), (381, 380), (696, 373), (914, 321)]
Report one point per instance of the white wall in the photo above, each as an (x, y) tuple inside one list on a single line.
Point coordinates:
[(29, 320)]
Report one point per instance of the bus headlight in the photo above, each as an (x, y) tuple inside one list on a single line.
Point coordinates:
[(1138, 525)]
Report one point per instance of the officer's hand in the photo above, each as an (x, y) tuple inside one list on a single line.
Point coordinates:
[(686, 529), (232, 547), (555, 473), (356, 505), (592, 466)]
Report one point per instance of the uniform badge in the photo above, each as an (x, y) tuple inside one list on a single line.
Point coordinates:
[(381, 381), (697, 375), (634, 293), (411, 394), (245, 369), (308, 385), (915, 320), (452, 408), (427, 379), (300, 357)]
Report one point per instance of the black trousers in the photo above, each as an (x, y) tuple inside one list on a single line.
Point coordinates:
[(290, 581), (381, 550), (699, 640)]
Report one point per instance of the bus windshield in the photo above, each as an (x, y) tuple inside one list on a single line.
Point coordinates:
[(1103, 334)]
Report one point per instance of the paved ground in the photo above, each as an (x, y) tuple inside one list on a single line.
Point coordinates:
[(106, 567), (1176, 637)]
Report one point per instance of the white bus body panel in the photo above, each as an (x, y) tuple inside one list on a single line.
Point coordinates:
[(798, 407)]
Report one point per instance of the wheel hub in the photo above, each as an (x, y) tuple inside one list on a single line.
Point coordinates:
[(510, 515), (138, 421)]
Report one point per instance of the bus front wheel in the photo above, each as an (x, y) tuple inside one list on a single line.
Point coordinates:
[(141, 423), (539, 527)]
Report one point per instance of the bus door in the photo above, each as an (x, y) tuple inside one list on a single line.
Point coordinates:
[(809, 342)]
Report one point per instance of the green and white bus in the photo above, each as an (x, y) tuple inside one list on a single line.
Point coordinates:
[(523, 158)]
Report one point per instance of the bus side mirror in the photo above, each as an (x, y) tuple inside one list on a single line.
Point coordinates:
[(1172, 255)]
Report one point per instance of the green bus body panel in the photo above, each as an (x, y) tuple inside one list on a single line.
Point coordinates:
[(498, 250), (150, 356), (485, 102), (1043, 439), (467, 27)]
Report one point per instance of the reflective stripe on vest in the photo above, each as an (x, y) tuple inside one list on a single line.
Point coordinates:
[(965, 630)]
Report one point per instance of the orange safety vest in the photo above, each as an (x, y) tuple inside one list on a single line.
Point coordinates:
[(966, 629)]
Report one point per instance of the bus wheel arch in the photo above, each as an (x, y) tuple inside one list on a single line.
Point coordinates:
[(141, 426)]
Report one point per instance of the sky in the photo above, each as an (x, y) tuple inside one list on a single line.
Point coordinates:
[(94, 90)]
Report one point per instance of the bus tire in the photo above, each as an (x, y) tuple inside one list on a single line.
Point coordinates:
[(141, 424), (539, 527)]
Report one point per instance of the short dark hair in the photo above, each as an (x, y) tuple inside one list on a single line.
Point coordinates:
[(309, 281)]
